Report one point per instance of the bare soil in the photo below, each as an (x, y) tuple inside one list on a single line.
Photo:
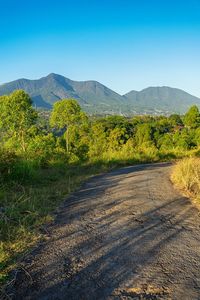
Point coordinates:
[(127, 234)]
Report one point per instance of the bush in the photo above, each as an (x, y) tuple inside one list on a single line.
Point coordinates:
[(13, 167), (7, 161), (24, 170), (41, 149)]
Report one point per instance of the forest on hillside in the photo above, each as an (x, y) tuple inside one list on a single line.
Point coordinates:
[(43, 158)]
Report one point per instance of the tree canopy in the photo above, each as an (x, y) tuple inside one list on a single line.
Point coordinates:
[(17, 116), (192, 117), (65, 114)]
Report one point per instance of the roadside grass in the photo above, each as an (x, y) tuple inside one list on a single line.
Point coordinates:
[(30, 195), (26, 206), (186, 176)]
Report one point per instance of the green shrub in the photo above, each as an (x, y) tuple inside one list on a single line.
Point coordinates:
[(7, 162), (24, 170)]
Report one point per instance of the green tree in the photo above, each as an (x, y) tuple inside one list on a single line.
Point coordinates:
[(144, 133), (197, 136), (166, 142), (98, 143), (175, 119), (79, 140), (117, 138), (65, 114), (41, 148), (192, 117), (17, 116)]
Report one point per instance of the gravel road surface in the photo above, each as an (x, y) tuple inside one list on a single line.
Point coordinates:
[(127, 234)]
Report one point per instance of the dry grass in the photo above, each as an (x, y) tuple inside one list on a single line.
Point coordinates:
[(186, 176)]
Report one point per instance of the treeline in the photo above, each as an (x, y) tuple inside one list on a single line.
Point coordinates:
[(70, 136), (43, 158)]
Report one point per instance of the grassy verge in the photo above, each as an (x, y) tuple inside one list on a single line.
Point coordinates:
[(26, 206), (186, 176)]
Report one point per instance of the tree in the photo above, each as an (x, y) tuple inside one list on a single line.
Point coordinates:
[(79, 140), (65, 114), (197, 136), (144, 133), (117, 138), (166, 142), (98, 139), (192, 117), (175, 119), (184, 140), (17, 116)]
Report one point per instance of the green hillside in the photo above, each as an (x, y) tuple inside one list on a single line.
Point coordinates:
[(96, 98)]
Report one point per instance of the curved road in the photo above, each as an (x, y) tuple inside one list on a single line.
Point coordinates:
[(127, 234)]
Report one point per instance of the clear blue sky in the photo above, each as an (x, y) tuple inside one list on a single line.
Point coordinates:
[(124, 44)]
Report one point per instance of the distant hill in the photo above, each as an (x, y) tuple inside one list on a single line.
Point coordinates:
[(95, 98), (161, 99)]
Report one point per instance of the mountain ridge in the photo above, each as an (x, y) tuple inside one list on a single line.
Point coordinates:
[(96, 98)]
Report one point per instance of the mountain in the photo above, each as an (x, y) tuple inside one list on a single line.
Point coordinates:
[(92, 95), (161, 99), (95, 98)]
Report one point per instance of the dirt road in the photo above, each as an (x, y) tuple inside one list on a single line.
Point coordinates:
[(124, 235)]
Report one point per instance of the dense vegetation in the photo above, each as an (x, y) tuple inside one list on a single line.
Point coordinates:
[(43, 158)]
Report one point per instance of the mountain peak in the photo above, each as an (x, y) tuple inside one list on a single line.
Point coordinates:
[(54, 76), (96, 98)]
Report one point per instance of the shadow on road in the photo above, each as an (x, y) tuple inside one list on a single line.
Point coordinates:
[(119, 234)]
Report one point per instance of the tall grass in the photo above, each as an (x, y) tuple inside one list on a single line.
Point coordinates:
[(28, 196), (186, 175)]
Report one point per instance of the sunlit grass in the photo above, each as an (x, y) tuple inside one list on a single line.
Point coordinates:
[(186, 175)]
